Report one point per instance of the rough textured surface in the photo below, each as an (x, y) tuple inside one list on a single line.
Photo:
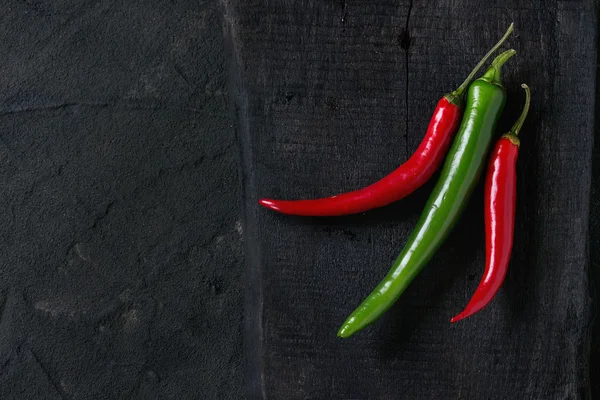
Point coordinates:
[(122, 240), (330, 96), (121, 236), (595, 248)]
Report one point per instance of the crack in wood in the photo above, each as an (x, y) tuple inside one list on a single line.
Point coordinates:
[(405, 44)]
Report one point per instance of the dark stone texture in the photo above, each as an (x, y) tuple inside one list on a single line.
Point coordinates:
[(330, 96), (121, 233)]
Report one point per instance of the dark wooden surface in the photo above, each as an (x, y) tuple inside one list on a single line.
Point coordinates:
[(124, 213), (330, 96), (595, 248)]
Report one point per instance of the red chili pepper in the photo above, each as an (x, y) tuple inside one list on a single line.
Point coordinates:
[(499, 208), (398, 184), (405, 179)]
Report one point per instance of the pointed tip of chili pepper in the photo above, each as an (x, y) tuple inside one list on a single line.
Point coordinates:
[(458, 317), (467, 312), (269, 203), (348, 328), (343, 332)]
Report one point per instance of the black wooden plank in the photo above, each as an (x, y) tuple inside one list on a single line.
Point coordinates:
[(595, 250), (328, 97)]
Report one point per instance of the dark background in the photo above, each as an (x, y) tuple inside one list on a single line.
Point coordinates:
[(135, 138), (122, 256)]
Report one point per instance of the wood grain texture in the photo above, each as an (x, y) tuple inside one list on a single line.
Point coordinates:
[(595, 249), (330, 96)]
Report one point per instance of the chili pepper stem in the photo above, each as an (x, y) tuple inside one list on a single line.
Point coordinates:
[(457, 97), (492, 75), (519, 123), (513, 134), (512, 138)]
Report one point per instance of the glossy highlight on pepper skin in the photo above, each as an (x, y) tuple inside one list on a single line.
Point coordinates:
[(400, 183), (407, 178), (463, 166), (499, 200), (499, 213)]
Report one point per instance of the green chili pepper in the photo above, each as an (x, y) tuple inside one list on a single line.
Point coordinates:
[(462, 168)]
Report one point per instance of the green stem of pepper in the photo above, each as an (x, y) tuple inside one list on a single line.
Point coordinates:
[(519, 123), (457, 96), (513, 134), (492, 75)]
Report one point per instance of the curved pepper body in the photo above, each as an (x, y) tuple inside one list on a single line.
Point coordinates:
[(407, 178), (460, 173), (411, 175), (499, 209)]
